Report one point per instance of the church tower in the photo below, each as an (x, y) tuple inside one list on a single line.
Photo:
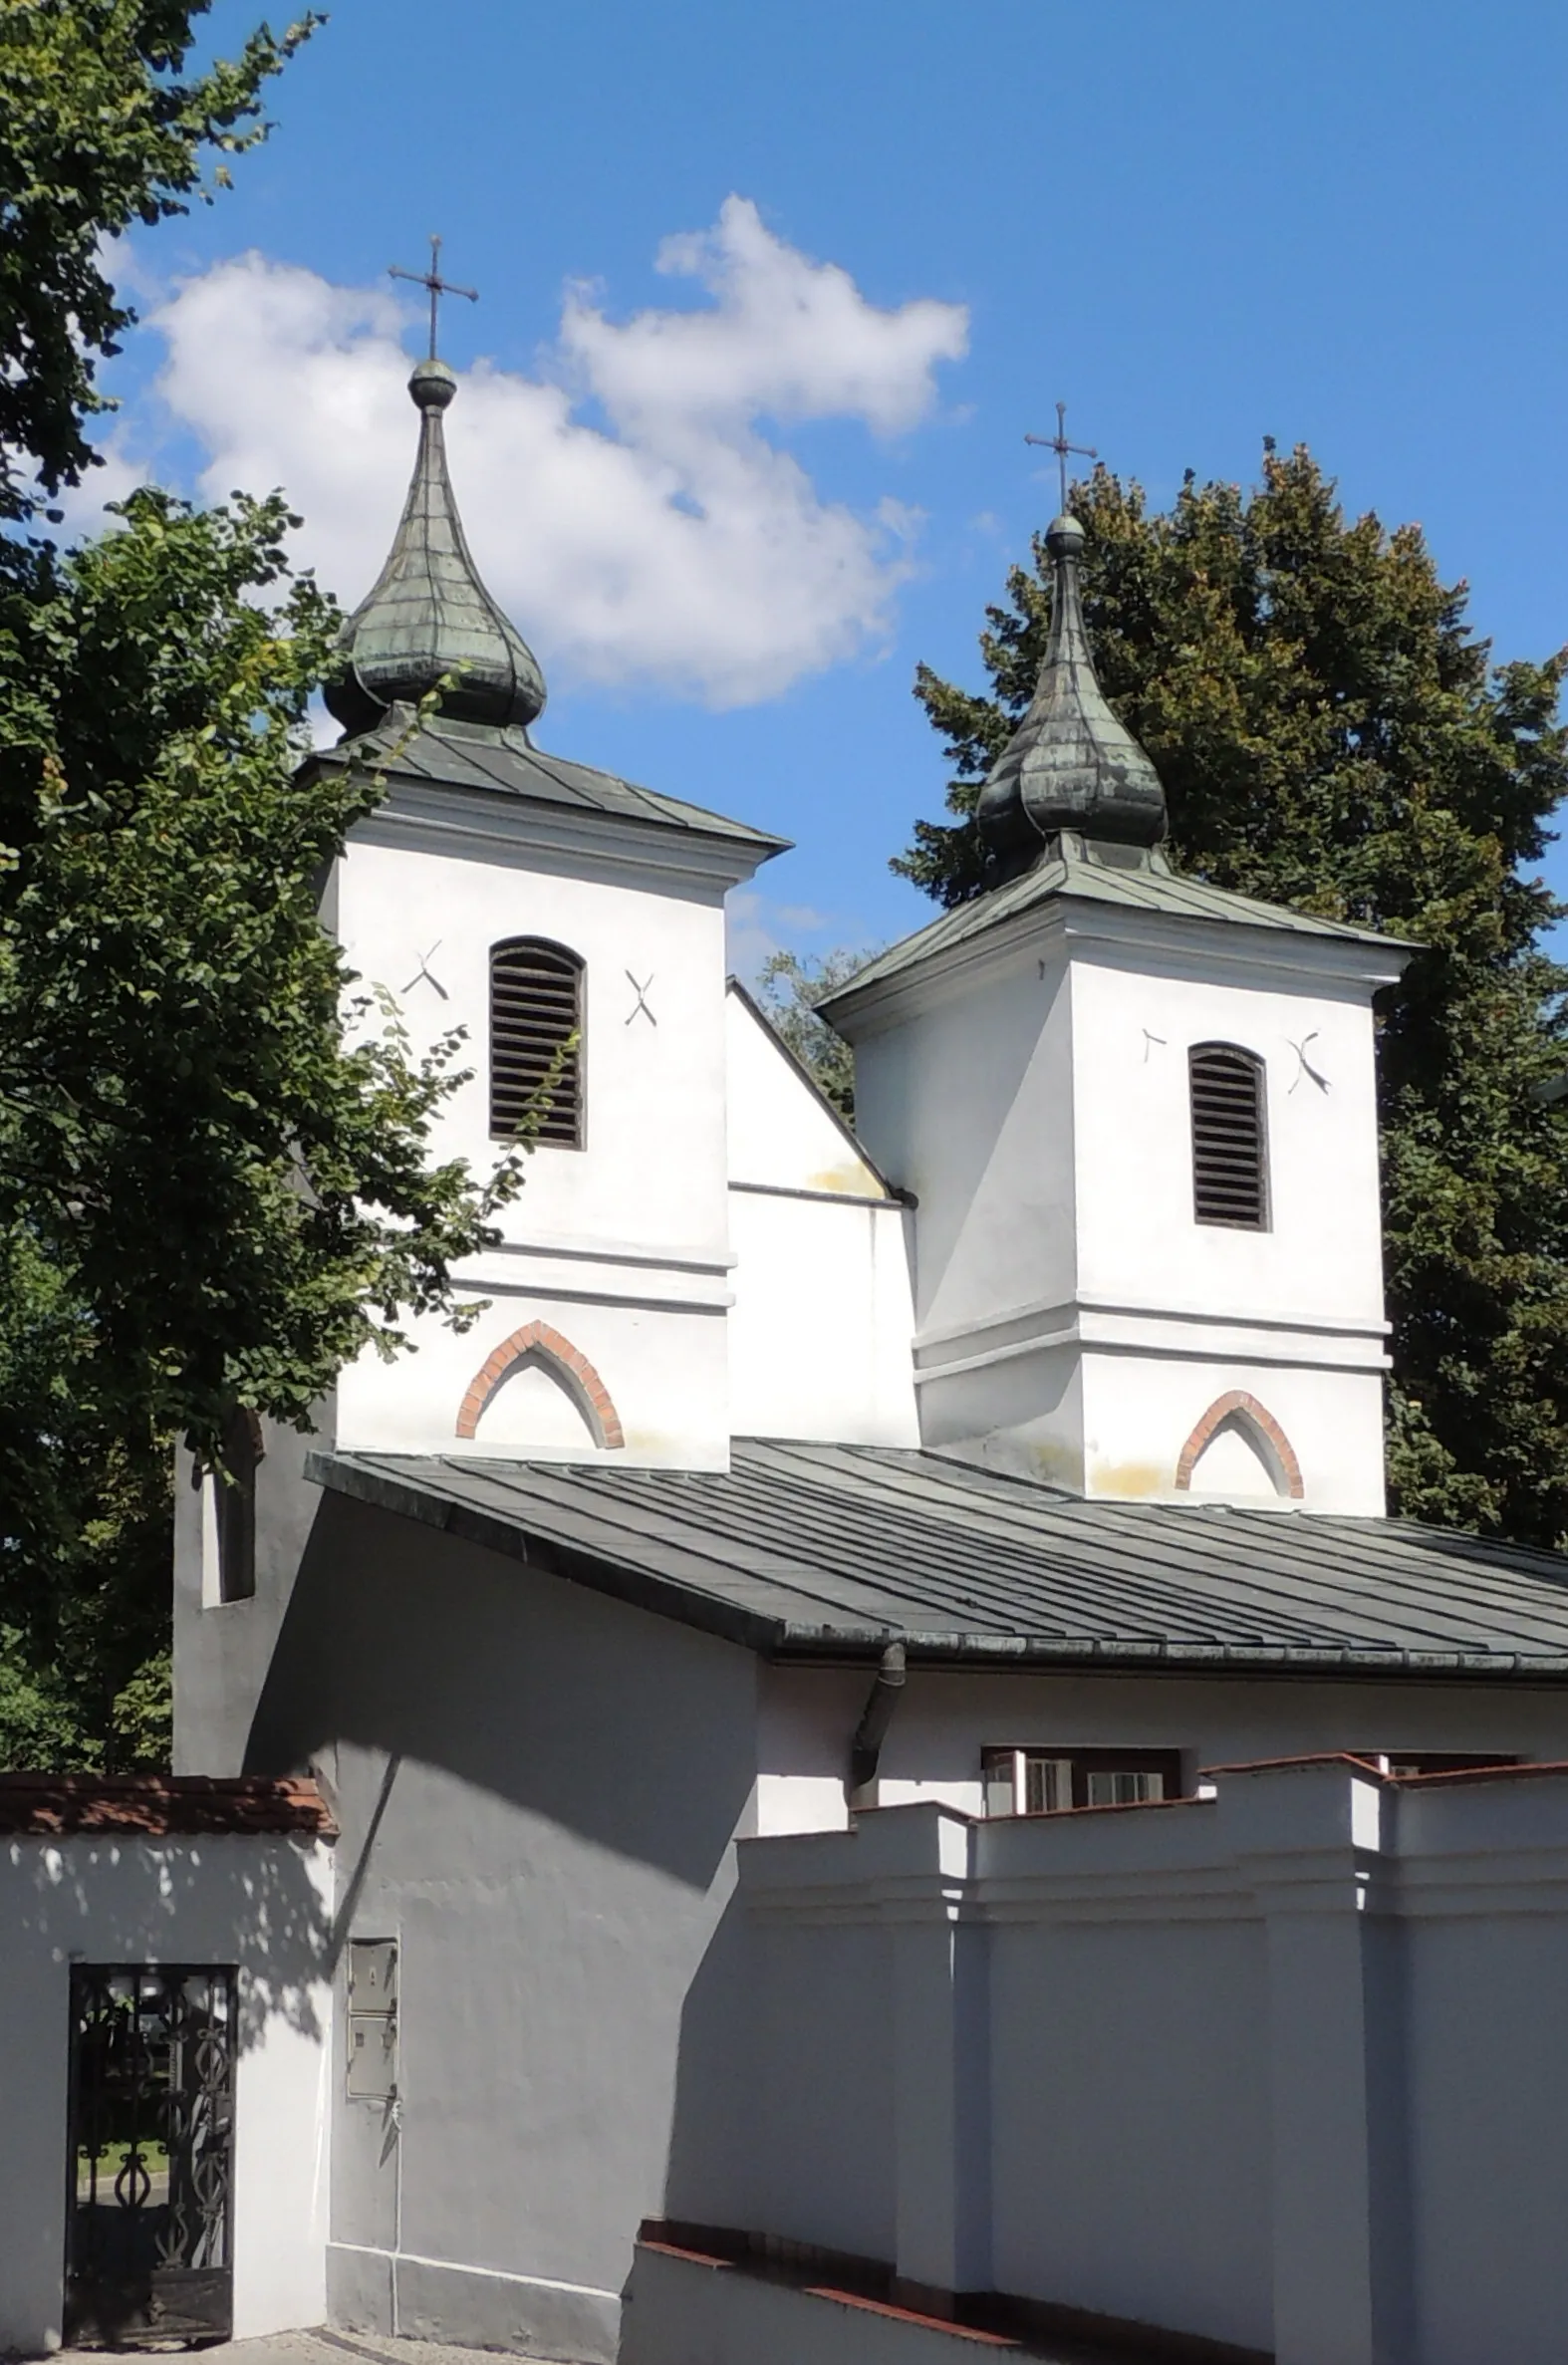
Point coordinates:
[(572, 925), (1138, 1118)]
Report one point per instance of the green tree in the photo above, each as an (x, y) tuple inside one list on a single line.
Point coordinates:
[(98, 130), (788, 990), (1332, 737), (210, 1192)]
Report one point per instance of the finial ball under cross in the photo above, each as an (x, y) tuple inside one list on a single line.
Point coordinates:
[(1057, 443), (438, 286)]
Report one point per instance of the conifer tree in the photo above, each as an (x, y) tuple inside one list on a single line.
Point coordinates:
[(1332, 737)]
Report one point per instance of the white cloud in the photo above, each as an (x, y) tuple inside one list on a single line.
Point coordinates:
[(683, 547), (118, 473), (785, 337)]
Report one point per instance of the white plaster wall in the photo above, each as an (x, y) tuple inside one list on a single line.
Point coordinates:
[(538, 1790), (1099, 2201), (664, 1365), (780, 1132), (1079, 2108), (1112, 1421), (819, 1332), (1284, 2068), (1483, 1968), (819, 2162), (653, 1168), (819, 1336), (948, 1716), (222, 1650), (1138, 1413), (1035, 1097), (683, 2307), (264, 1905), (968, 1105), (1021, 1403), (622, 1245), (1138, 1242)]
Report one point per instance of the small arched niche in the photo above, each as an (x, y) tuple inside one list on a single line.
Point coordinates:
[(537, 1393), (1234, 1463), (536, 1409), (1237, 1452)]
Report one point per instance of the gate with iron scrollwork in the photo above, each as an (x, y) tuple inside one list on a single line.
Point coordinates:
[(148, 2241)]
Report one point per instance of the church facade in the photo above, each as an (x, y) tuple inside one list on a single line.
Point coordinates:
[(1020, 1450)]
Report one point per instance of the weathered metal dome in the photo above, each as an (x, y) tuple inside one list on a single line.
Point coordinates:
[(1070, 765), (429, 615)]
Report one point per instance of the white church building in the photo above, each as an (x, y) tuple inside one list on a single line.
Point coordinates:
[(1018, 1451)]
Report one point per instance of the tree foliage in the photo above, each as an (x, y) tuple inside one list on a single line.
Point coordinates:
[(98, 132), (1332, 737), (235, 1193), (788, 990), (210, 1192), (214, 1186)]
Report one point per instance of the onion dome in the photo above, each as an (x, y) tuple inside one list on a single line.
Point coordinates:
[(1070, 765), (429, 615)]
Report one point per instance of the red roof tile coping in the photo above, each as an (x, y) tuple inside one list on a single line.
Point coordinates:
[(909, 2315), (159, 1806), (1243, 1765), (1454, 1777), (1450, 1777)]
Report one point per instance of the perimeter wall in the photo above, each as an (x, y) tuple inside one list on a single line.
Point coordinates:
[(1286, 2069), (261, 1904)]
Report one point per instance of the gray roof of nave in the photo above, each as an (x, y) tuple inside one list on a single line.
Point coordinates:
[(449, 754), (820, 1551)]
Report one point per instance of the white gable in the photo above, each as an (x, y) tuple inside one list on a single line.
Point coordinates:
[(781, 1129), (821, 1324)]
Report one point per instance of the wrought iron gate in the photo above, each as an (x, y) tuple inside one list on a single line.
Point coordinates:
[(148, 2241)]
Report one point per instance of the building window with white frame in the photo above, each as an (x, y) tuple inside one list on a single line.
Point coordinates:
[(1045, 1782)]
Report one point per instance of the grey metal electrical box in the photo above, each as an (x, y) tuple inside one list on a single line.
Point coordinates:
[(373, 2056), (373, 1974), (373, 2019)]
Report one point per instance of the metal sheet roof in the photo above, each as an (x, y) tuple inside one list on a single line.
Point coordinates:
[(807, 1550), (452, 754), (1071, 875)]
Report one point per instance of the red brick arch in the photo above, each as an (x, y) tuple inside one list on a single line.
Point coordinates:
[(582, 1382), (1236, 1399)]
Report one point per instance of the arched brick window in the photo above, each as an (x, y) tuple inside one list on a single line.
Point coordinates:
[(536, 1042)]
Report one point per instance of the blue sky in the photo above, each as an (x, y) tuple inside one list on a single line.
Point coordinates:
[(731, 501)]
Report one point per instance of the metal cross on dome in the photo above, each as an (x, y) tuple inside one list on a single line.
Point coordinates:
[(1057, 443), (438, 286)]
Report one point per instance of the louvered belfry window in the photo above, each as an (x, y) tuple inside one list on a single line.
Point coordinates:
[(1229, 1136), (536, 1009)]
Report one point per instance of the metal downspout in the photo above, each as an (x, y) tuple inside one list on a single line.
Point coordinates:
[(876, 1717)]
